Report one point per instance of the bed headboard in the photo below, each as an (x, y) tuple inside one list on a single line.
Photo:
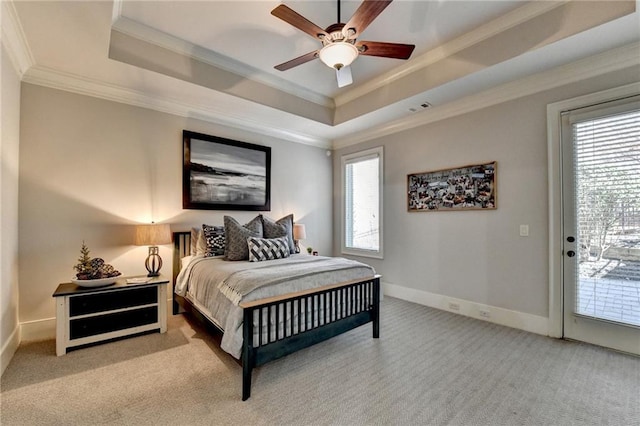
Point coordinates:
[(181, 248)]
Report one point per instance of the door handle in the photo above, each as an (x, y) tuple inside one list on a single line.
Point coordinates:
[(571, 253)]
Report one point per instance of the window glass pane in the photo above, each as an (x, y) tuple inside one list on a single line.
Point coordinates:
[(362, 204), (607, 173)]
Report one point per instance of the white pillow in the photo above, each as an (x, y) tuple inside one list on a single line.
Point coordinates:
[(201, 247), (185, 261), (198, 242)]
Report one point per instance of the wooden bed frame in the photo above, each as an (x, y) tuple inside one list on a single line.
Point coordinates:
[(343, 306)]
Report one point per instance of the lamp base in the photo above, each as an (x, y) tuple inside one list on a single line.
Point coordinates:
[(153, 262)]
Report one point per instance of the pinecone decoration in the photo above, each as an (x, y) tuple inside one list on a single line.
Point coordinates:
[(92, 269)]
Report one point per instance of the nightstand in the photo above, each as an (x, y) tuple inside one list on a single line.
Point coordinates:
[(88, 315)]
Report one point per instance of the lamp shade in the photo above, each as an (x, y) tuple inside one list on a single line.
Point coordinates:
[(338, 54), (299, 232), (153, 235)]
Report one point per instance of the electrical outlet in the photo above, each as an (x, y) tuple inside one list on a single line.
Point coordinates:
[(454, 306), (484, 313)]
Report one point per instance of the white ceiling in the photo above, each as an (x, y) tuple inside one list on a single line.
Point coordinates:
[(68, 47)]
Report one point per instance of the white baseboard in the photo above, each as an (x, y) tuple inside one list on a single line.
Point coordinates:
[(46, 328), (9, 348), (523, 321), (43, 329)]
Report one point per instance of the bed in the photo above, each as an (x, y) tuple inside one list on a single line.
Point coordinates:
[(279, 316)]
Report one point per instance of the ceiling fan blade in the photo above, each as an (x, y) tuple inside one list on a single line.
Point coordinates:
[(344, 76), (292, 17), (297, 61), (386, 50), (364, 15)]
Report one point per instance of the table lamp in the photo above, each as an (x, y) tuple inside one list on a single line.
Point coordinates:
[(152, 236), (299, 233)]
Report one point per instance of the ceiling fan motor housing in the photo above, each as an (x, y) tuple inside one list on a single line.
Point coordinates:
[(337, 35)]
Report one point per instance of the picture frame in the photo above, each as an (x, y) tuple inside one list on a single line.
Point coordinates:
[(225, 174), (462, 188)]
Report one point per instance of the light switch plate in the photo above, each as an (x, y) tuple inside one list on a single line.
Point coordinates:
[(524, 230)]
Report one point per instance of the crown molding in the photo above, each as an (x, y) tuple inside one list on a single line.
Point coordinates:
[(182, 47), (47, 77), (116, 12), (612, 60), (593, 66), (15, 40), (483, 32)]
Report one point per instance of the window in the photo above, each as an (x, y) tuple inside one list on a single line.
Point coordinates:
[(362, 174), (607, 156)]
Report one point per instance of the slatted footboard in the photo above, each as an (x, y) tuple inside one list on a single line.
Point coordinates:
[(278, 326), (295, 321)]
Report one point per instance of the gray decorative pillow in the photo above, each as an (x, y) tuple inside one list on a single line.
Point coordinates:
[(280, 228), (267, 248), (215, 240), (236, 235)]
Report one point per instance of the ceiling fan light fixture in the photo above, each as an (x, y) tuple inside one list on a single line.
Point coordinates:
[(338, 54)]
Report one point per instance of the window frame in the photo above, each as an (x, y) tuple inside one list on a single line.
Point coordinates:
[(355, 157)]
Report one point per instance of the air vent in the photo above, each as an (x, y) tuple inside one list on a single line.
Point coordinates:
[(421, 107)]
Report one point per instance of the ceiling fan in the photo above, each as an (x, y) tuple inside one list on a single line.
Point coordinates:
[(339, 46)]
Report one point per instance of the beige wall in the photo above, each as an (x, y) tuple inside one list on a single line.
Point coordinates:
[(9, 144), (90, 168), (475, 256)]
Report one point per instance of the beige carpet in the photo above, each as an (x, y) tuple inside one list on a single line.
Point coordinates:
[(428, 367)]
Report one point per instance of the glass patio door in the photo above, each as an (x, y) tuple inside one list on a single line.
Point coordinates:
[(601, 224)]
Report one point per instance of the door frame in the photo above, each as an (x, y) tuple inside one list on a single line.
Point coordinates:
[(554, 162)]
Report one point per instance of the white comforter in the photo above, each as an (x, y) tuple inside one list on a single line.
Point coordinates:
[(202, 278)]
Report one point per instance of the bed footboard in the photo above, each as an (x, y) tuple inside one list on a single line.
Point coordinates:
[(307, 318)]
